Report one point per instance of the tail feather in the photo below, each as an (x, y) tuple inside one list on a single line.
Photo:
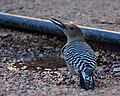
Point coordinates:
[(82, 82), (86, 81)]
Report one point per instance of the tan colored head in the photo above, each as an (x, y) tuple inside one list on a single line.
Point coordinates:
[(71, 30)]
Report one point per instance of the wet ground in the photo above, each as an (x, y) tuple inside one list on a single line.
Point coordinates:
[(30, 64)]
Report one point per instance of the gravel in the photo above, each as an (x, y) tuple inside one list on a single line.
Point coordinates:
[(30, 64)]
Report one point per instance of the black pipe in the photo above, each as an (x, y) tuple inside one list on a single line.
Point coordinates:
[(47, 26)]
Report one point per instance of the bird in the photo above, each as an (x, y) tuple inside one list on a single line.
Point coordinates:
[(78, 55)]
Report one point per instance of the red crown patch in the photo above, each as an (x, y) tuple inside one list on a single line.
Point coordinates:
[(74, 25)]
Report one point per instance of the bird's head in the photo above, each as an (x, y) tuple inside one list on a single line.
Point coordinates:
[(71, 30)]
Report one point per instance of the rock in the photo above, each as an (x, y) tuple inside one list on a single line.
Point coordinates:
[(100, 73), (97, 54)]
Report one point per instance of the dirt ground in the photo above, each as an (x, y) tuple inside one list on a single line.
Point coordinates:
[(23, 74)]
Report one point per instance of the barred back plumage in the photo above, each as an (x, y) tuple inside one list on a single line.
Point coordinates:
[(79, 55)]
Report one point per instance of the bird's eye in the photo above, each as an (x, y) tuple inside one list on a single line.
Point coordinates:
[(71, 28)]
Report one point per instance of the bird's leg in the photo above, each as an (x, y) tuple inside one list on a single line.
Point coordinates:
[(95, 75)]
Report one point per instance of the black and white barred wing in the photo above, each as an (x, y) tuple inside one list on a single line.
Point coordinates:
[(80, 56)]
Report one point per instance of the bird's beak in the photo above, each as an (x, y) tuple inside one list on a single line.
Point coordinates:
[(58, 23)]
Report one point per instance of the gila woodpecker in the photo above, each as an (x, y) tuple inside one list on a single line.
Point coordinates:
[(79, 56)]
